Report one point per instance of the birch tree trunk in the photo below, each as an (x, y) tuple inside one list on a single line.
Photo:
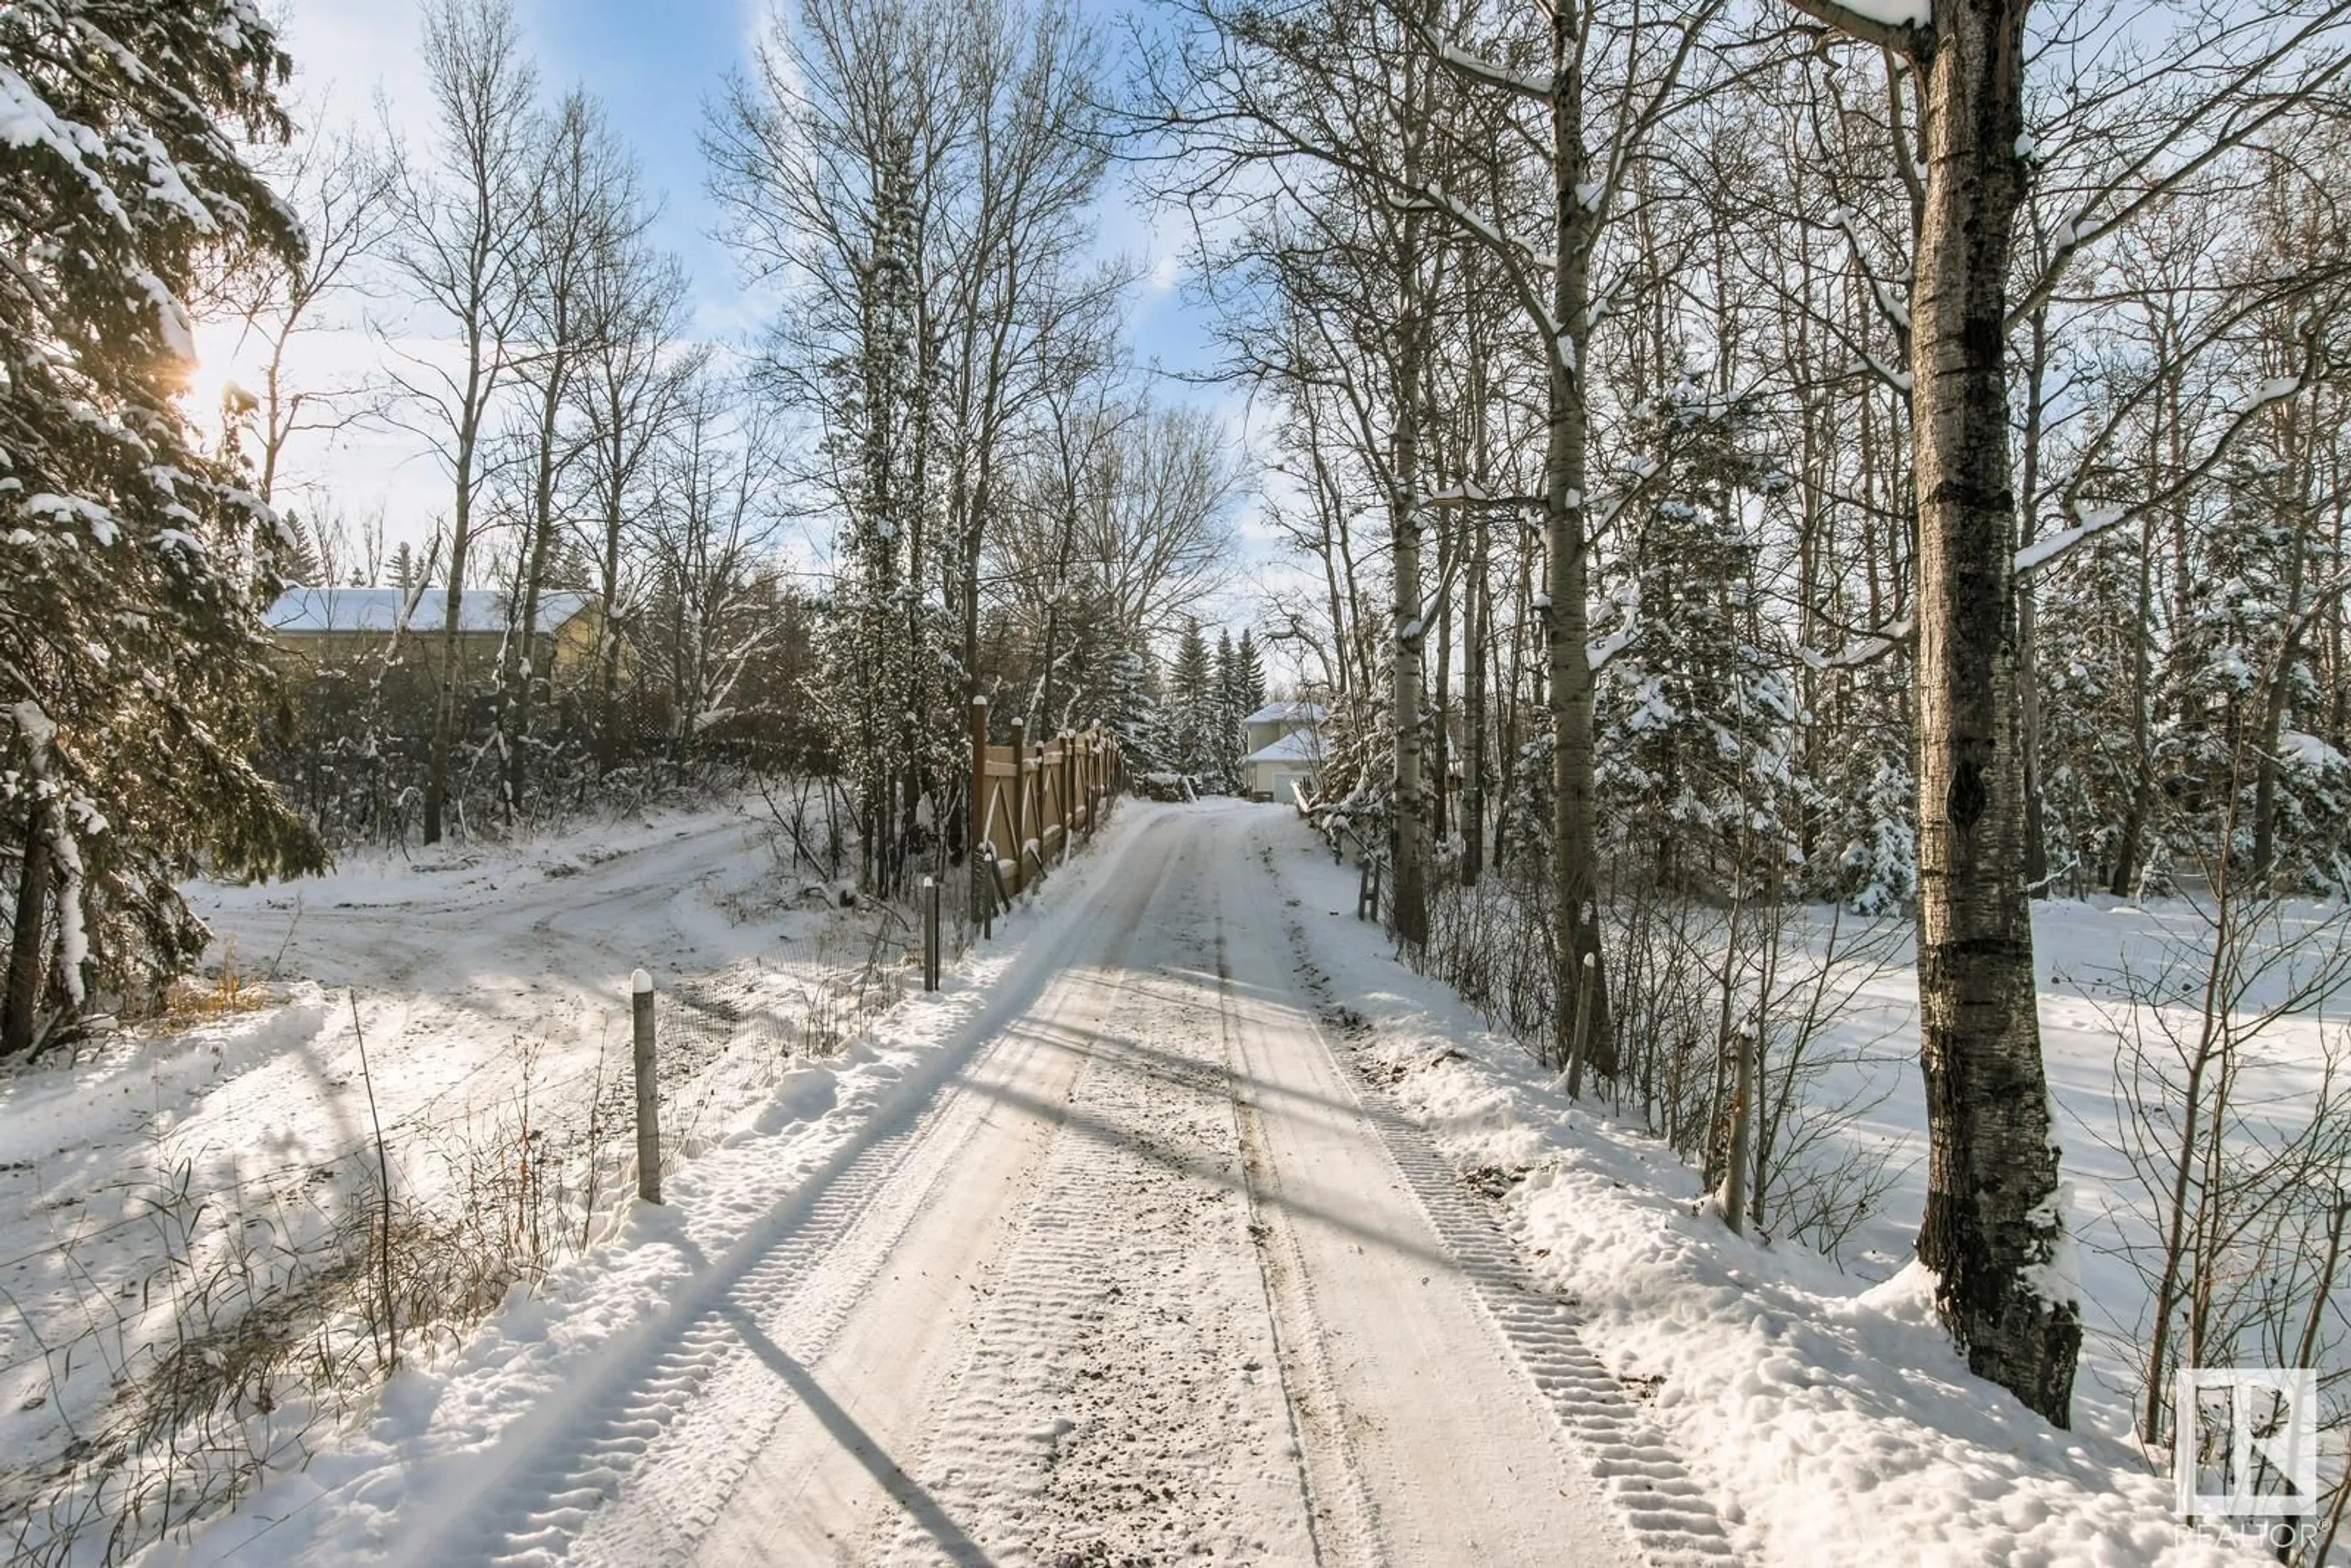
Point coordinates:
[(1994, 1221), (1582, 1008), (1409, 833), (1994, 1215)]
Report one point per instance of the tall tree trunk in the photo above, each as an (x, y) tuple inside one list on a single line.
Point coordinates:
[(20, 1004), (1440, 693), (2141, 753), (1581, 981), (447, 709), (1479, 615), (1994, 1219), (1408, 832), (518, 679), (2277, 690)]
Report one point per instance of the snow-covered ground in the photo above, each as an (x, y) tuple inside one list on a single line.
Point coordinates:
[(1821, 1408), (2107, 967), (179, 1171), (1098, 1255), (1149, 1236)]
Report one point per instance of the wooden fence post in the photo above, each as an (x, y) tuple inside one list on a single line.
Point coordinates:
[(641, 988), (983, 880), (1096, 778), (1069, 795), (1020, 804), (1742, 1132), (978, 772), (1037, 820)]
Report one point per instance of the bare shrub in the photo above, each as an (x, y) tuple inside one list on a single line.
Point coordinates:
[(1693, 978)]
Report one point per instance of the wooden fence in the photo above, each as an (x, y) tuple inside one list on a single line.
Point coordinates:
[(1030, 799)]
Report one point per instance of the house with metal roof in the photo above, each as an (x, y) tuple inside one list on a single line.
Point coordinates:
[(325, 625)]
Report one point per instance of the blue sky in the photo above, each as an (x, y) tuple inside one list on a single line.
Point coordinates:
[(656, 66)]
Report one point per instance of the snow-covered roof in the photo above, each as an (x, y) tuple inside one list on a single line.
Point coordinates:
[(1287, 713), (1299, 746), (300, 610)]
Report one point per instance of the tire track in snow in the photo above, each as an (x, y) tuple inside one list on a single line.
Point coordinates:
[(1671, 1518), (692, 1380), (670, 1508), (1339, 1511), (795, 1293), (1122, 1402)]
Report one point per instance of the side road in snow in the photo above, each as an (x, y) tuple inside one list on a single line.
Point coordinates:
[(1101, 1256), (491, 984)]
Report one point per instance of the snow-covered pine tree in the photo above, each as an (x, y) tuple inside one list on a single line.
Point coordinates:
[(1188, 715), (1248, 674), (870, 668), (1697, 715), (1131, 709), (1093, 649), (1225, 729), (2251, 697), (134, 569), (888, 676), (2100, 660)]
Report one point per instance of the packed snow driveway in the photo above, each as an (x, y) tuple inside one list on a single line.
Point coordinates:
[(1145, 1278)]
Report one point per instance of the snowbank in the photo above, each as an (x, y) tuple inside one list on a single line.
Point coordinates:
[(1832, 1422)]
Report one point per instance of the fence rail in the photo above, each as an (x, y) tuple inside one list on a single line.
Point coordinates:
[(1031, 798)]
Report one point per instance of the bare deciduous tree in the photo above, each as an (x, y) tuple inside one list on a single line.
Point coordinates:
[(461, 250)]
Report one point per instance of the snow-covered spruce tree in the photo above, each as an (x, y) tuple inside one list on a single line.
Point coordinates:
[(1697, 717), (2098, 663), (1090, 650), (1248, 674), (1131, 709), (1225, 734), (1188, 718), (133, 567), (2247, 679)]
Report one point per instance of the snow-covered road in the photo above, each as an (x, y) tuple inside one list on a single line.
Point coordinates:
[(1145, 1276)]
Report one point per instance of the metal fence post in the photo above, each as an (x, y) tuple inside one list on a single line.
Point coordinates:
[(930, 934), (641, 986)]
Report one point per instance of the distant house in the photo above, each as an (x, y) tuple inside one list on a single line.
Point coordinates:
[(1282, 743), (325, 625)]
